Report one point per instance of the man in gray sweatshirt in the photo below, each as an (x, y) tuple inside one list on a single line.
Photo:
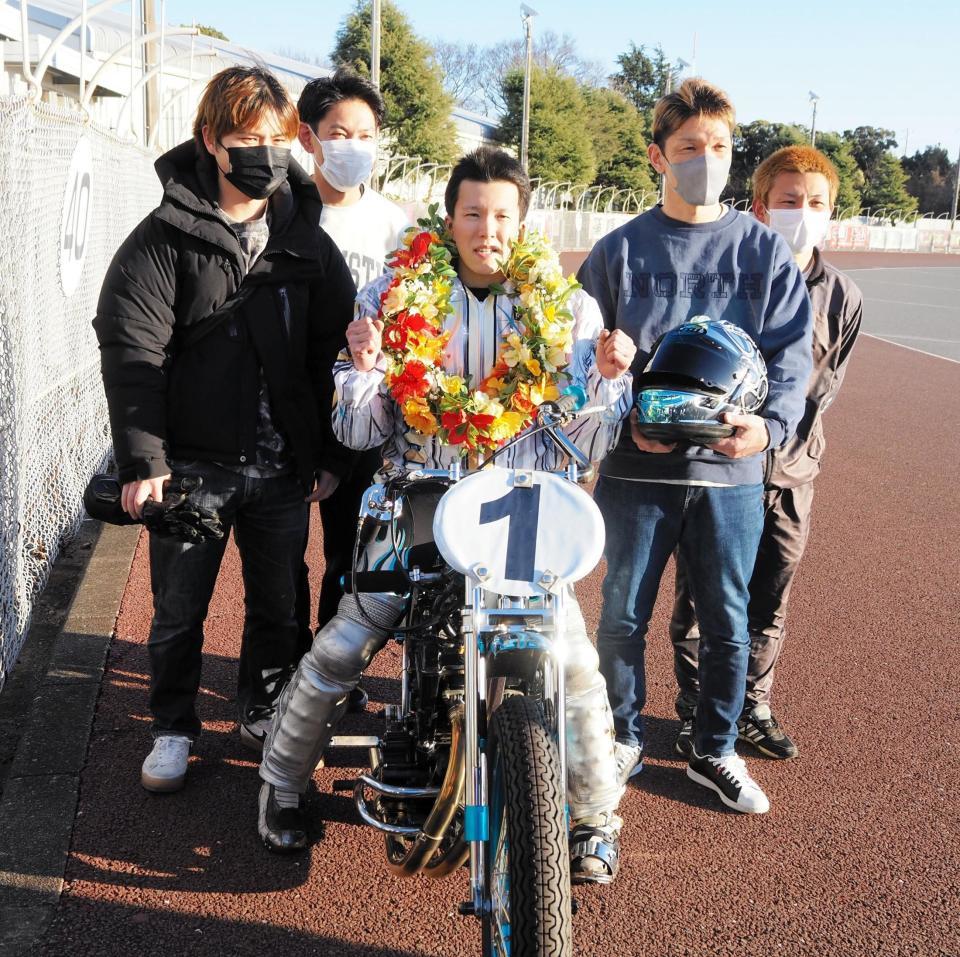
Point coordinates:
[(794, 190), (690, 257)]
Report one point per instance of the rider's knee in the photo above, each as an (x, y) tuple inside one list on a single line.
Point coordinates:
[(344, 647)]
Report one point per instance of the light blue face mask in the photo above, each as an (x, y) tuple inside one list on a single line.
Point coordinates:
[(701, 180)]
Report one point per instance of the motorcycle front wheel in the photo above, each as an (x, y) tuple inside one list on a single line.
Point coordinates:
[(527, 870)]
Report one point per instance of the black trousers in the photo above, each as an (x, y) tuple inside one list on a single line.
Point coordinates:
[(338, 517), (786, 528), (268, 518)]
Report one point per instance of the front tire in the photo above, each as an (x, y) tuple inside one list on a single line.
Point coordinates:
[(527, 862)]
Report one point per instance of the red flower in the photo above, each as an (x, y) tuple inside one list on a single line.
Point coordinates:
[(451, 420), (411, 383), (395, 337), (415, 322), (420, 245), (457, 426), (482, 422)]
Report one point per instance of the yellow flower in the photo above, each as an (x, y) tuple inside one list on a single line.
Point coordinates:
[(426, 349), (507, 425), (450, 384), (416, 413), (533, 367)]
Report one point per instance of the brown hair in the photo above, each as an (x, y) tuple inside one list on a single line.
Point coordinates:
[(793, 159), (238, 98), (694, 97), (488, 165)]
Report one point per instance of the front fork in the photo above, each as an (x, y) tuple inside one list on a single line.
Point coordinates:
[(484, 640)]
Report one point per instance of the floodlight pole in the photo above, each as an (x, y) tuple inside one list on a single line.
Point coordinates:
[(526, 15), (814, 99), (375, 42), (956, 193)]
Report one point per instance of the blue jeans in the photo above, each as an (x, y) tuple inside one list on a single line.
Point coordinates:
[(717, 531), (268, 517)]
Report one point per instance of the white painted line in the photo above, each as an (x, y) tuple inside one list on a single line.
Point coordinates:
[(897, 269), (913, 285), (904, 302), (951, 342), (900, 345)]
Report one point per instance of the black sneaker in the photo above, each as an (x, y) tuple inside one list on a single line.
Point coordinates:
[(684, 743), (357, 700), (282, 822), (728, 777), (761, 729)]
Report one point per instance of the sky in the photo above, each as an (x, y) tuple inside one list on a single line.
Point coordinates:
[(882, 63)]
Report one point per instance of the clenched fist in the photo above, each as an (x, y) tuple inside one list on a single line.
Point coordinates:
[(615, 352), (363, 340)]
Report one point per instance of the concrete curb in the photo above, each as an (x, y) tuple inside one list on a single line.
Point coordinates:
[(41, 787)]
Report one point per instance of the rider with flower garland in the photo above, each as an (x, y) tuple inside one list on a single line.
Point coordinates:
[(476, 327)]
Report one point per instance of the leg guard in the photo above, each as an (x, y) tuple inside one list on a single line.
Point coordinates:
[(316, 697), (592, 786)]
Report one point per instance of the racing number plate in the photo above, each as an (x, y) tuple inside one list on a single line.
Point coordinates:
[(520, 532)]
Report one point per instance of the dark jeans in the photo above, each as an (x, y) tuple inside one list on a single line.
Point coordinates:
[(716, 530), (338, 517), (268, 518), (786, 528)]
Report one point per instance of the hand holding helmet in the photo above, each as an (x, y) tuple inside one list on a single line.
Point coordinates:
[(701, 386)]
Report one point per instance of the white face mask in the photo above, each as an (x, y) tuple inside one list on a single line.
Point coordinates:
[(346, 163), (801, 228)]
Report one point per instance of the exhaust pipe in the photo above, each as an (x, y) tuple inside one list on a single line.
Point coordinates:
[(415, 858)]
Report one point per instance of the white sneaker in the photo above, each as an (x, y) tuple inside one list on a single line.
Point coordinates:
[(731, 781), (629, 759), (165, 768)]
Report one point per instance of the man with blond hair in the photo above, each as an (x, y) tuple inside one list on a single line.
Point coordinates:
[(794, 192), (693, 256), (219, 322)]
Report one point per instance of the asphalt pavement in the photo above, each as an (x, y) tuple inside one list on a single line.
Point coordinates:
[(858, 855)]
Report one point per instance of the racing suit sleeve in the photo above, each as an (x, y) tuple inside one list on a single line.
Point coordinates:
[(595, 435), (363, 413)]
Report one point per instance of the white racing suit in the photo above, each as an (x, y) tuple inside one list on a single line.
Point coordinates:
[(366, 417)]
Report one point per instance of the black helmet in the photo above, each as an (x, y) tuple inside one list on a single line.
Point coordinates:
[(697, 372)]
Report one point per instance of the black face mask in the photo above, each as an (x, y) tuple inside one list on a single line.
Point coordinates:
[(257, 171)]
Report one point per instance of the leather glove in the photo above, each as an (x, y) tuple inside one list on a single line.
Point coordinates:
[(176, 516)]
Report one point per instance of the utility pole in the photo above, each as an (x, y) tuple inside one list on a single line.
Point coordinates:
[(526, 16), (814, 99), (375, 43)]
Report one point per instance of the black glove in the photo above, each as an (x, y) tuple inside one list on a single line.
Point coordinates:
[(175, 516)]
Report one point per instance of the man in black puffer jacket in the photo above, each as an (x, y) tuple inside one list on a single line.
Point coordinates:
[(219, 322)]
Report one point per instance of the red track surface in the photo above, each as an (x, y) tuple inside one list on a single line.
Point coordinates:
[(859, 854)]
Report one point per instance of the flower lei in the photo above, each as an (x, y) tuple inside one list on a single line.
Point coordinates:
[(530, 364)]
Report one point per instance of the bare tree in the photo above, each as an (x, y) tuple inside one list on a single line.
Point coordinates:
[(474, 75), (462, 67)]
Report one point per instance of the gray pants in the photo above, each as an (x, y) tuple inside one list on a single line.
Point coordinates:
[(316, 697), (786, 528)]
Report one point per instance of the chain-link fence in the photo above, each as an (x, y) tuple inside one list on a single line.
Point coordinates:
[(70, 194)]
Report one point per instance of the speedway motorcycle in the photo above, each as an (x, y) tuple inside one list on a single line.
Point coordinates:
[(470, 767)]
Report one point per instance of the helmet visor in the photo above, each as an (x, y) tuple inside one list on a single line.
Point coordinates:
[(675, 406)]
